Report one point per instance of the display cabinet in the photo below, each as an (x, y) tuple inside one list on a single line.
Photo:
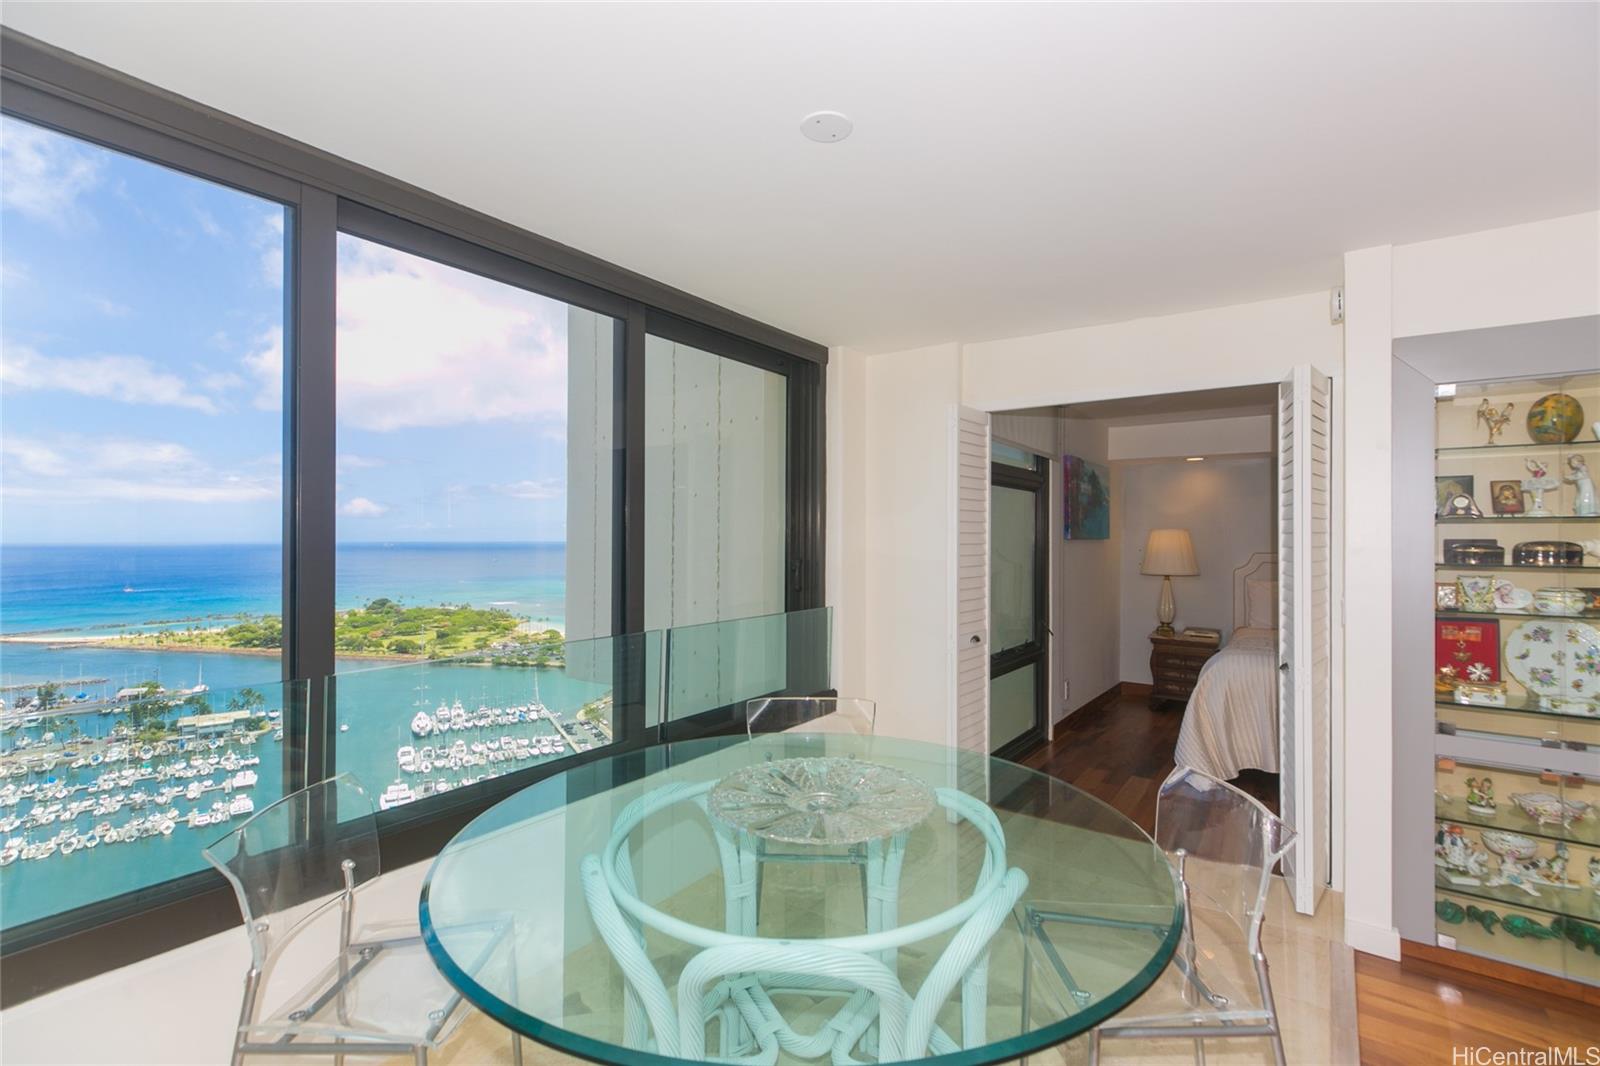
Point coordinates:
[(1516, 672)]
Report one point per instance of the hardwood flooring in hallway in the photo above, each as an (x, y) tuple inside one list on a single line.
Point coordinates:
[(1121, 751)]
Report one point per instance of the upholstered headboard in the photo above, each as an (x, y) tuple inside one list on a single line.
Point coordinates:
[(1262, 566)]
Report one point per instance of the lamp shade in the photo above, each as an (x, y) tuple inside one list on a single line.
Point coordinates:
[(1169, 553)]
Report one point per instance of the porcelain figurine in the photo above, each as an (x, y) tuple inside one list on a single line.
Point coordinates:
[(1557, 866), (1536, 485), (1480, 795), (1494, 419), (1511, 873), (1578, 474)]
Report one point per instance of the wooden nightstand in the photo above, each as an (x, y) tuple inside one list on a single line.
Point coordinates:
[(1175, 662)]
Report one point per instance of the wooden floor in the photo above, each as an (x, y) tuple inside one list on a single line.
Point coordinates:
[(1415, 1012), (1120, 753)]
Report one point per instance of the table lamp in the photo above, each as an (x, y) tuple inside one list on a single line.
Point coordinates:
[(1169, 553)]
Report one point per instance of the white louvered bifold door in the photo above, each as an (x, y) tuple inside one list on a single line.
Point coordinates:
[(969, 444), (1304, 627)]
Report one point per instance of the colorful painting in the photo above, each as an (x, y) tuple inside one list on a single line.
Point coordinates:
[(1088, 499)]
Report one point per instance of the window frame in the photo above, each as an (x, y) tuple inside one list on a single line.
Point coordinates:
[(326, 195)]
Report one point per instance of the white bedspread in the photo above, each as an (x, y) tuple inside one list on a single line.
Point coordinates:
[(1231, 723)]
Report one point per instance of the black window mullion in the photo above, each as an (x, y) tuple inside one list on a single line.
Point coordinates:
[(310, 430)]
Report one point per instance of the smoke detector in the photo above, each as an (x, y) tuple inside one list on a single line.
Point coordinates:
[(826, 127)]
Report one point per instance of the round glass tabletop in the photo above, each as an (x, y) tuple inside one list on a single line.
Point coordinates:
[(633, 924)]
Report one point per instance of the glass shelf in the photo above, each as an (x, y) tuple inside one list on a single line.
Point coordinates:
[(1508, 817), (1529, 446), (1517, 706), (1518, 566), (1467, 520), (1592, 616), (1576, 902)]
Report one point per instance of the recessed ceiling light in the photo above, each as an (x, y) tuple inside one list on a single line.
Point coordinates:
[(826, 126), (1195, 459)]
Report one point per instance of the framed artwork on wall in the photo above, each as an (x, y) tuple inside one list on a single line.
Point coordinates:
[(1086, 499)]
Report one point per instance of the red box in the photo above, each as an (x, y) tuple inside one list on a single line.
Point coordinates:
[(1466, 651)]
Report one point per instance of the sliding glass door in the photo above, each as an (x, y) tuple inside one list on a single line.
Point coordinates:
[(1019, 600)]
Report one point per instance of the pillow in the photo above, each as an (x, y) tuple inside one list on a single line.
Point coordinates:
[(1260, 604)]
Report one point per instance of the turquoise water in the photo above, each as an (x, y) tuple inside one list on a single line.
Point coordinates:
[(73, 589), (94, 588)]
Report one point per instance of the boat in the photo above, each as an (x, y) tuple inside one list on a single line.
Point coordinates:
[(421, 724), (395, 795)]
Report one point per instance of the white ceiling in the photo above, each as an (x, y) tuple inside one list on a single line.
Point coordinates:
[(1013, 168)]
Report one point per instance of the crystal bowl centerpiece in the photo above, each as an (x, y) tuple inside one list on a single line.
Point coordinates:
[(824, 800)]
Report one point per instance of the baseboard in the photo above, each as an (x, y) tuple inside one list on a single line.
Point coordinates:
[(1509, 972), (1372, 939), (1110, 695)]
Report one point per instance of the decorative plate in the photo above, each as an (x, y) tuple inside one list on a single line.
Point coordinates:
[(1513, 844), (826, 800), (1547, 809), (1559, 661)]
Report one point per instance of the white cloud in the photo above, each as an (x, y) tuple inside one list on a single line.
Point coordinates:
[(43, 174), (350, 461), (265, 364), (361, 507), (127, 378), (109, 308), (547, 489), (208, 223), (268, 241), (33, 457), (126, 470), (421, 344)]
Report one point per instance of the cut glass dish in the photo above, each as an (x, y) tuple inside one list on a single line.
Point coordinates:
[(825, 800)]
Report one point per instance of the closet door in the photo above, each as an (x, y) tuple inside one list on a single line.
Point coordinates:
[(1304, 627)]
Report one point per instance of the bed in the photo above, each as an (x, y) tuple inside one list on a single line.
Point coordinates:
[(1231, 723)]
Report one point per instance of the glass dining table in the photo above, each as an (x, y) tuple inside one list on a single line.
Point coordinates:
[(802, 897)]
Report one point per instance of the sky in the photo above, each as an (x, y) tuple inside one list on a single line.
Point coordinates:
[(141, 369)]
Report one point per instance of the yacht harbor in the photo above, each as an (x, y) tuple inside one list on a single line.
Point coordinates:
[(154, 774)]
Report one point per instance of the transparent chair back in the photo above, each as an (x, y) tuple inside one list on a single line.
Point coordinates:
[(288, 860), (1229, 841), (814, 714)]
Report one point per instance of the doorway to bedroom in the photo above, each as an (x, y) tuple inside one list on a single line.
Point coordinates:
[(1162, 590)]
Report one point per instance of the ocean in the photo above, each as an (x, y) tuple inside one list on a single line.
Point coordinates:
[(88, 589), (81, 590)]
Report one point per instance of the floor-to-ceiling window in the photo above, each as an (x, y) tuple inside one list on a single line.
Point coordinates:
[(294, 485), (475, 524), (716, 506), (141, 440)]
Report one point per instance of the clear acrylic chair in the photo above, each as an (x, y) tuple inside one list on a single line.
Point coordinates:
[(1224, 845), (297, 867), (847, 715)]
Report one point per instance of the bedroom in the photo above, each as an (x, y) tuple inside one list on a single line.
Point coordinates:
[(1196, 472)]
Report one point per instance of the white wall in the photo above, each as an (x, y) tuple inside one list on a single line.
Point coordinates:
[(1530, 273), (1226, 505), (1238, 435), (1087, 641), (1244, 344), (907, 572)]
